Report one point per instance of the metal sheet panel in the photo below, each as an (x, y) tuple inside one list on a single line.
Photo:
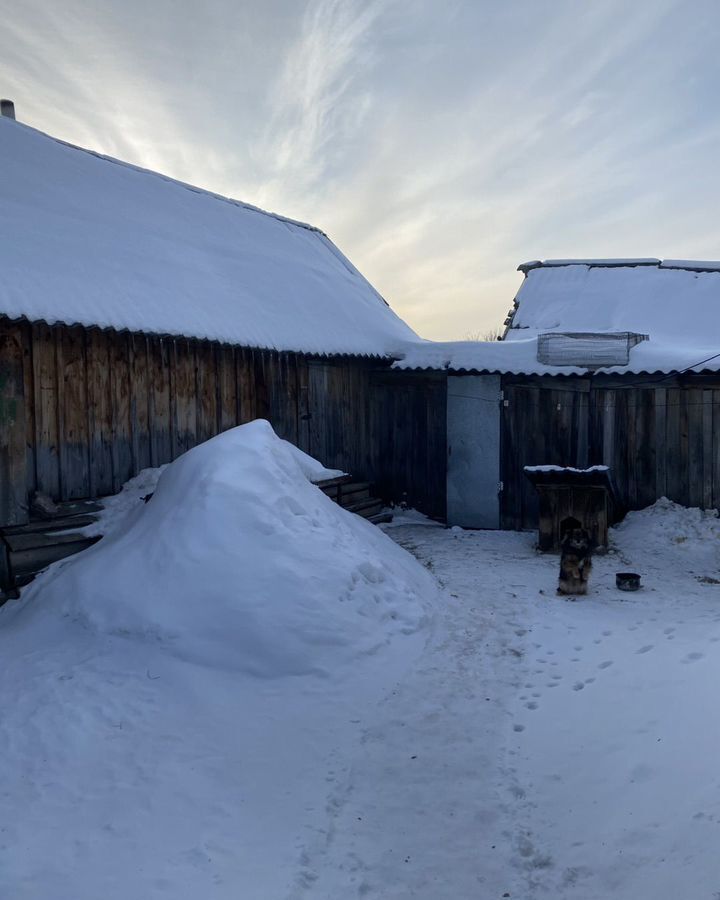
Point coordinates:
[(473, 421)]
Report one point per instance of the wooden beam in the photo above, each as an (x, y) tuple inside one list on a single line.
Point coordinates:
[(13, 478)]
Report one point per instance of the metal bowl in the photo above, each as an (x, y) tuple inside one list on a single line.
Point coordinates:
[(627, 581)]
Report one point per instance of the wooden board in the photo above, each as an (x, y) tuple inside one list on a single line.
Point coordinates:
[(159, 350), (45, 401), (139, 401), (73, 413), (13, 478), (228, 407), (122, 449), (206, 391), (100, 426), (185, 402)]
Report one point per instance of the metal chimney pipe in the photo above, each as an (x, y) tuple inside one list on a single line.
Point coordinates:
[(7, 109)]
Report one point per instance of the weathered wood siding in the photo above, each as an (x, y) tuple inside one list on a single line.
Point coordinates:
[(83, 410), (13, 456), (660, 438)]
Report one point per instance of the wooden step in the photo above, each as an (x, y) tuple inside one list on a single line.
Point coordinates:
[(32, 557), (367, 508), (380, 518), (355, 487), (69, 508), (327, 484), (61, 523), (347, 500)]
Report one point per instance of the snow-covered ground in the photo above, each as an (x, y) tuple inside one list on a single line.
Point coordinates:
[(486, 740)]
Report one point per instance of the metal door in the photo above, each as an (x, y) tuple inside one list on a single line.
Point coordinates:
[(473, 433)]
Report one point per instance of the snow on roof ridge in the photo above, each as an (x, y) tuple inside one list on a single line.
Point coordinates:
[(691, 265), (688, 264), (183, 184), (604, 263)]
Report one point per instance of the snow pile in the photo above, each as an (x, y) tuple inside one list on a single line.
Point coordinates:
[(239, 561), (118, 507), (670, 532)]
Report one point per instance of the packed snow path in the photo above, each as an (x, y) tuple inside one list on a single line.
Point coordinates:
[(541, 747)]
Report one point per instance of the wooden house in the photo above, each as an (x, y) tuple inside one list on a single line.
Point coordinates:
[(140, 316), (603, 363)]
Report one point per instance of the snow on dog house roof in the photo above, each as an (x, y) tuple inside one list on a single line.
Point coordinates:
[(85, 239), (675, 303)]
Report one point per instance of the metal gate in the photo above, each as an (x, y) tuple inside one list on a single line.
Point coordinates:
[(473, 434)]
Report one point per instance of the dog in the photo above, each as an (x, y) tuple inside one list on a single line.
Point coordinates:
[(575, 562)]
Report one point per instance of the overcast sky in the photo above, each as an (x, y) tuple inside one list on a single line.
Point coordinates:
[(439, 143)]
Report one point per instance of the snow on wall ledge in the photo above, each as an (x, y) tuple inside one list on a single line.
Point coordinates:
[(88, 240)]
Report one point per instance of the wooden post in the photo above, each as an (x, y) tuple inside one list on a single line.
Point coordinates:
[(13, 479)]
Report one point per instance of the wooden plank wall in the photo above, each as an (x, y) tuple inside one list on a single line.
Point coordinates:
[(408, 428), (13, 425), (660, 437), (103, 405), (387, 427)]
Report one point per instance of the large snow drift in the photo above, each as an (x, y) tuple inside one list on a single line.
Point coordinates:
[(239, 561)]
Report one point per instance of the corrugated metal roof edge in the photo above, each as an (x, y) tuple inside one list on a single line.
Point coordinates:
[(167, 335), (567, 372)]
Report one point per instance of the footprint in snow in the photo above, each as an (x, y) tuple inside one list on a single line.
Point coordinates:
[(606, 664), (518, 728), (646, 649), (668, 630), (693, 657), (578, 686)]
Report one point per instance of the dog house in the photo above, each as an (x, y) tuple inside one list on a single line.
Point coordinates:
[(573, 498)]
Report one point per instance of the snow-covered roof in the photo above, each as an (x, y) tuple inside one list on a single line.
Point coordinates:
[(85, 239), (676, 303), (662, 300)]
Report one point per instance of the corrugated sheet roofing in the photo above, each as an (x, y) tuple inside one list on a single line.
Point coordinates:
[(87, 240)]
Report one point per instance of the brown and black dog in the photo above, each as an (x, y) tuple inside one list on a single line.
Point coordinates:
[(575, 562)]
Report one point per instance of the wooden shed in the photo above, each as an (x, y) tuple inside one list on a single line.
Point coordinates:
[(604, 362), (140, 316)]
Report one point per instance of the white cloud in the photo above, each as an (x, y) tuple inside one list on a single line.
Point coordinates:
[(439, 144)]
